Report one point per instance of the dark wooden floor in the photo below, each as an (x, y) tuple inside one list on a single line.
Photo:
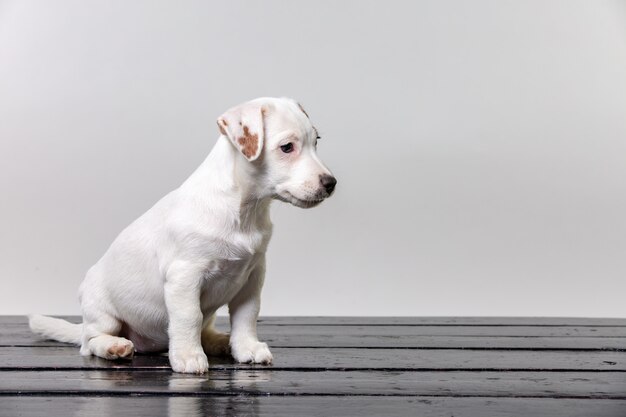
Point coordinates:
[(341, 367)]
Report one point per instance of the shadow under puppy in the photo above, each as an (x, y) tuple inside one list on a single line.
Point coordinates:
[(200, 247)]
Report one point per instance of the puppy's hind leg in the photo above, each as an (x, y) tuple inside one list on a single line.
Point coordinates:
[(214, 343), (100, 339)]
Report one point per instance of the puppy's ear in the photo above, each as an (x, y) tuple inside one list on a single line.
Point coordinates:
[(243, 125)]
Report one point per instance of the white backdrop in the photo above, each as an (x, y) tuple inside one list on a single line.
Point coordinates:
[(479, 146)]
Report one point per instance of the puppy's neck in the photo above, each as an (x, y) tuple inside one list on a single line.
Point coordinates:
[(225, 175)]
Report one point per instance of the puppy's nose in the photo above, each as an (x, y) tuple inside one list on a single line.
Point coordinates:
[(328, 182)]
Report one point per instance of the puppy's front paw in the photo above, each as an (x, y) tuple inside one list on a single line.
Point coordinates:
[(192, 361), (251, 351)]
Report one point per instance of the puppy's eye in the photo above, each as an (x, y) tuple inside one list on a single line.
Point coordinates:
[(287, 148)]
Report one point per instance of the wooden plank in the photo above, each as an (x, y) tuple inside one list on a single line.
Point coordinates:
[(607, 385), (446, 342), (441, 321), (307, 406), (294, 339), (16, 333), (67, 358), (461, 331), (405, 321), (382, 330)]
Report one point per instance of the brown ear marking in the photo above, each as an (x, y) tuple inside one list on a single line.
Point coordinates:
[(303, 111), (221, 129), (249, 142), (220, 124)]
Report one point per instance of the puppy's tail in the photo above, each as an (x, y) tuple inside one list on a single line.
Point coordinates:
[(55, 329)]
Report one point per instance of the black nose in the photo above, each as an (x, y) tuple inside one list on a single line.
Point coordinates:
[(328, 182)]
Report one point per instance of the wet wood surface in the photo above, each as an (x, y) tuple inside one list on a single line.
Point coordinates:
[(344, 366)]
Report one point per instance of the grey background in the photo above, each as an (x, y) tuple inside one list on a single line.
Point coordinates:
[(479, 145)]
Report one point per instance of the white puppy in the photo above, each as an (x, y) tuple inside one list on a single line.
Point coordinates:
[(202, 246)]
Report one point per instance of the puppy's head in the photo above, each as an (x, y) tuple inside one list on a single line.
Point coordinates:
[(276, 136)]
